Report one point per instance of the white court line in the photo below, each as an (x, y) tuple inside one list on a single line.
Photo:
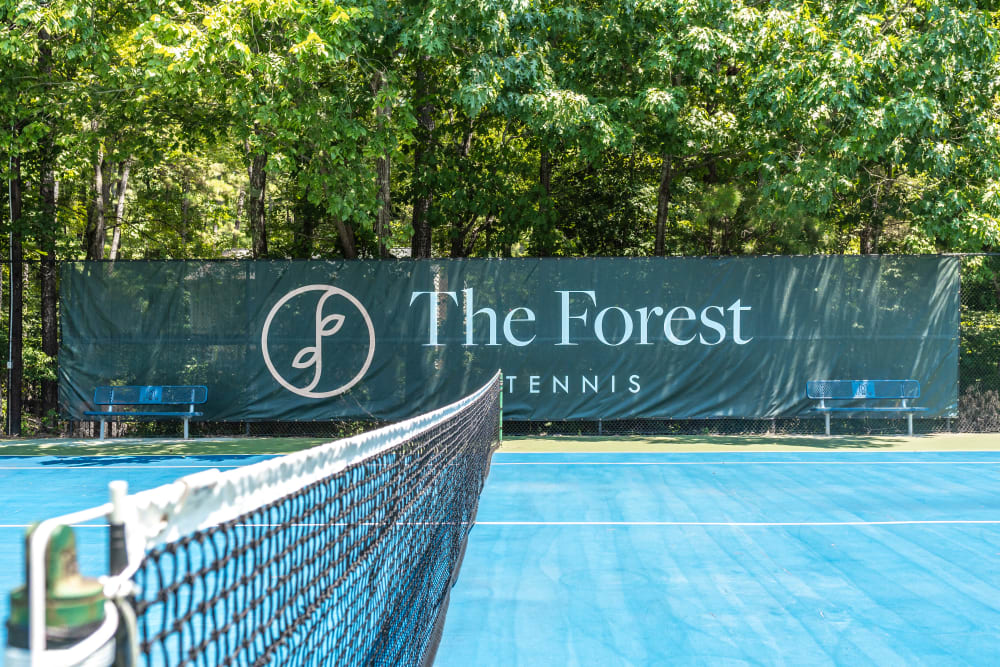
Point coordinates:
[(75, 525), (738, 463), (244, 526), (539, 463), (121, 467), (546, 463), (804, 451), (723, 524), (743, 523)]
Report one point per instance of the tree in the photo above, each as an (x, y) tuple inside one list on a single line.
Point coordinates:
[(880, 116), (279, 76)]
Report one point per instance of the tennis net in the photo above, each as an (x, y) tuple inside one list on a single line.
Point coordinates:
[(343, 554)]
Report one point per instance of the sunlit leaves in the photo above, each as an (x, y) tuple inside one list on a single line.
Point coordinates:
[(873, 102)]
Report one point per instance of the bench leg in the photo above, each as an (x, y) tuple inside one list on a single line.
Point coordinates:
[(827, 417), (103, 428), (909, 424), (186, 429)]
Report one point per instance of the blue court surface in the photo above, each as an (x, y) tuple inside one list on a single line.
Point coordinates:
[(811, 558), (848, 558)]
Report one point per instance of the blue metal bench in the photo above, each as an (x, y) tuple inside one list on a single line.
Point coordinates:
[(865, 396), (137, 397)]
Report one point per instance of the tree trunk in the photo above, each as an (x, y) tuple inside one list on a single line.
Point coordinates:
[(383, 180), (543, 240), (305, 220), (465, 148), (421, 245), (16, 373), (347, 241), (870, 216), (240, 202), (256, 205), (423, 193), (871, 226), (545, 172), (458, 235), (461, 242), (868, 238), (47, 232), (120, 187), (96, 223), (185, 206), (663, 203), (383, 219)]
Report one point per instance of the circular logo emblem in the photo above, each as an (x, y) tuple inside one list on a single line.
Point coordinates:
[(339, 327)]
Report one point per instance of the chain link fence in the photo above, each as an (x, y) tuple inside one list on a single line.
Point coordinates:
[(979, 395)]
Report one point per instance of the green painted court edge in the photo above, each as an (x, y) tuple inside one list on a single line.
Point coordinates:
[(517, 444), (943, 442), (158, 446)]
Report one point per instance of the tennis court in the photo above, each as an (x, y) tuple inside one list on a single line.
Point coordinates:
[(688, 550), (767, 557)]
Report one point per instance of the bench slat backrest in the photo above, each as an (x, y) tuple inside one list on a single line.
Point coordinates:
[(862, 389), (151, 395)]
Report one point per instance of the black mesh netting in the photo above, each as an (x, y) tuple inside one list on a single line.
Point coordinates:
[(353, 569)]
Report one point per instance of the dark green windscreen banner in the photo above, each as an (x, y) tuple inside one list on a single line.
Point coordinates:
[(607, 338)]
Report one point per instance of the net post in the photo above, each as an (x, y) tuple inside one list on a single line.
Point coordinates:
[(118, 556), (500, 437), (117, 553), (59, 616)]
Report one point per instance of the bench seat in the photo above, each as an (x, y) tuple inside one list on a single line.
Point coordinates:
[(866, 396), (136, 413), (151, 396), (870, 408)]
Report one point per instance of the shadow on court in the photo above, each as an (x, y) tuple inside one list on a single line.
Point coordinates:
[(175, 462), (157, 446)]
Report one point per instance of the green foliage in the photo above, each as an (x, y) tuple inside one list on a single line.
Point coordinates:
[(789, 127), (981, 283), (979, 354), (542, 128), (881, 112)]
